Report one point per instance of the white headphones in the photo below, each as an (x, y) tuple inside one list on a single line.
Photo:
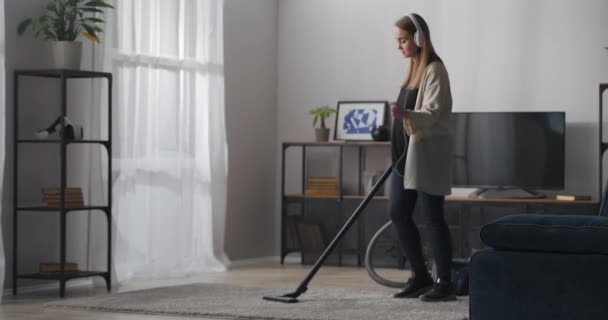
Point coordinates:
[(418, 35)]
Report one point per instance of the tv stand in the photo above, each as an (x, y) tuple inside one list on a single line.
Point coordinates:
[(503, 193), (309, 222)]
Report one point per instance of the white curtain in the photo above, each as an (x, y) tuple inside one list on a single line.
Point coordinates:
[(2, 134), (170, 153)]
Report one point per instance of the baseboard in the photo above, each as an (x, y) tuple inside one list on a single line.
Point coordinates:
[(76, 283), (253, 261), (291, 259)]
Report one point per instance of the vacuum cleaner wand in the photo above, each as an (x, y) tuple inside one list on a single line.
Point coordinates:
[(292, 297)]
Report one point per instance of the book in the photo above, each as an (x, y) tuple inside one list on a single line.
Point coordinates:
[(66, 194), (321, 182), (316, 192), (66, 198), (322, 179), (322, 187), (57, 190), (72, 197), (51, 202), (315, 183), (572, 197), (52, 267), (56, 204)]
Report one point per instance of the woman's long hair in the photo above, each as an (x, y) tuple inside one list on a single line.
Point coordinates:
[(427, 53)]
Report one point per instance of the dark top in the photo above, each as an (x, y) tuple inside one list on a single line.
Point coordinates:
[(400, 140)]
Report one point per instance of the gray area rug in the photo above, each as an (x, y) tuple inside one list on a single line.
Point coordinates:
[(229, 301)]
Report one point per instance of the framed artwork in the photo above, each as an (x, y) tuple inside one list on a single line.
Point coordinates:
[(355, 120)]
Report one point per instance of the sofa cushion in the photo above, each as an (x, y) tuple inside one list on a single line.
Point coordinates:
[(524, 285), (551, 233)]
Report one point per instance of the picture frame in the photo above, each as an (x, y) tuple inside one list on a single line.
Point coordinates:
[(356, 119)]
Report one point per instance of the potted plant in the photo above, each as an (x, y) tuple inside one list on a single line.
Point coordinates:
[(62, 23), (321, 113)]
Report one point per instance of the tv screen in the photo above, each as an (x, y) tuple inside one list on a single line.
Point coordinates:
[(509, 149)]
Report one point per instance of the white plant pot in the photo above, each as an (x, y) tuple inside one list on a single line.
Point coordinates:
[(66, 54)]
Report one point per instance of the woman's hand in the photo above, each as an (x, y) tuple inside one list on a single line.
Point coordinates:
[(396, 111)]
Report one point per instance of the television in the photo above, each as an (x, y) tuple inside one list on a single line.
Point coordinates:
[(505, 150)]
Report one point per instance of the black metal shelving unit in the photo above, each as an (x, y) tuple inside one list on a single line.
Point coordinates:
[(467, 214), (62, 276), (361, 147), (603, 145)]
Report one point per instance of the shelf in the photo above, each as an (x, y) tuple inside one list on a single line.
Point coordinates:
[(67, 275), (303, 196), (58, 73), (59, 141), (458, 207), (454, 199), (337, 143), (525, 201), (43, 208), (354, 197), (40, 207), (348, 197)]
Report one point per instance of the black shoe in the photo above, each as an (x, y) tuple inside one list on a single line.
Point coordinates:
[(414, 287), (441, 291)]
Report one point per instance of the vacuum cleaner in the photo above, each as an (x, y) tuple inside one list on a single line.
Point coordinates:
[(292, 297)]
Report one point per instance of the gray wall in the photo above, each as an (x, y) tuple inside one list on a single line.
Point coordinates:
[(250, 48), (501, 56)]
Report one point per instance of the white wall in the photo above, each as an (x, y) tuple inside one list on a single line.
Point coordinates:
[(501, 55), (250, 48)]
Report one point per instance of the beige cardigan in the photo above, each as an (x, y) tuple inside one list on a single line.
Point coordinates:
[(428, 164)]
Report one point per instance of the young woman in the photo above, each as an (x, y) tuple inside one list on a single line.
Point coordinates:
[(422, 153)]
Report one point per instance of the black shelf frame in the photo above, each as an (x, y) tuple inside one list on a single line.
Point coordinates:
[(68, 275), (67, 141), (462, 207), (62, 275), (603, 145), (67, 209), (301, 198)]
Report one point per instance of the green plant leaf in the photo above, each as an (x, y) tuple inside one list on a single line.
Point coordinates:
[(91, 9), (52, 7), (92, 19), (23, 26), (98, 3), (90, 30), (65, 20), (321, 113), (49, 35)]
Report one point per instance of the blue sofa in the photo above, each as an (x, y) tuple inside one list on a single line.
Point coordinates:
[(542, 267)]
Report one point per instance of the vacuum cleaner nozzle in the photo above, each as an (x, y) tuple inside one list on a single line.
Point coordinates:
[(284, 299)]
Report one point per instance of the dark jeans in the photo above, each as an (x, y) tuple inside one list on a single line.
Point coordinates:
[(401, 206)]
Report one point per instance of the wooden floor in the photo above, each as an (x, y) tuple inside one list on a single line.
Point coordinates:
[(30, 305)]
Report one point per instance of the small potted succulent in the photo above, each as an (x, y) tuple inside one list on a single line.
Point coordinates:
[(62, 23), (321, 113)]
